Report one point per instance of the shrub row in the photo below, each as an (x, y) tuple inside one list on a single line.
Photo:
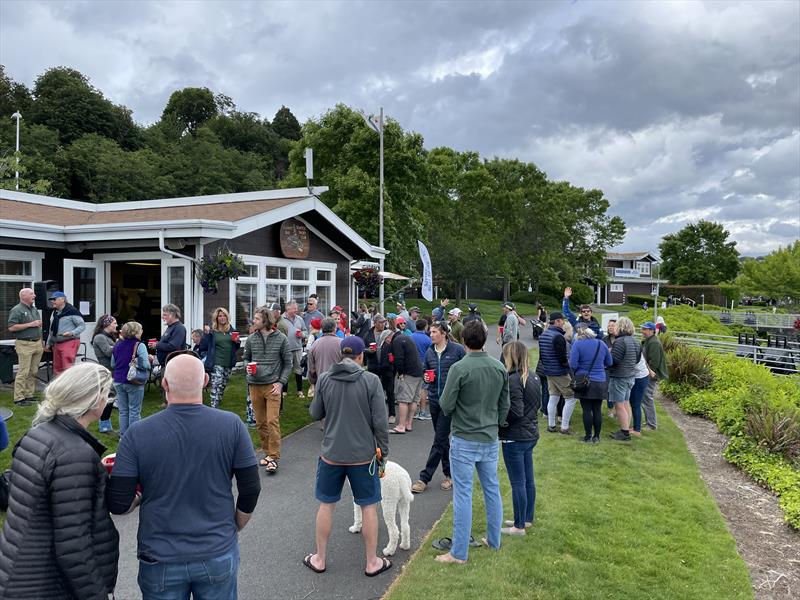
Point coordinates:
[(759, 411)]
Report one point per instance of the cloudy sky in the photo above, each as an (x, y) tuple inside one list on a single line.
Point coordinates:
[(677, 111)]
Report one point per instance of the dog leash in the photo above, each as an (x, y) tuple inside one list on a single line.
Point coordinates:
[(377, 460)]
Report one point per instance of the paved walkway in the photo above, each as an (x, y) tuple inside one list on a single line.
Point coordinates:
[(281, 531)]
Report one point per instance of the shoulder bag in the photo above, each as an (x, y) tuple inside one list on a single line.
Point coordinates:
[(136, 374)]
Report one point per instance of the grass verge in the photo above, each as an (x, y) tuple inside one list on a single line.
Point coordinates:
[(612, 520)]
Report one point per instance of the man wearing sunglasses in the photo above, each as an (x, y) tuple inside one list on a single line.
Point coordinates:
[(585, 315)]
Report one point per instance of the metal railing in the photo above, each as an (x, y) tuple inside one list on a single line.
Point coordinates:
[(777, 354), (754, 319)]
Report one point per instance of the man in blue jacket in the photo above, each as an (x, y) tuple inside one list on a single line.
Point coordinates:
[(439, 357), (555, 365), (585, 316)]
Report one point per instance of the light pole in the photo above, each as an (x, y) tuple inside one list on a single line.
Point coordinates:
[(655, 303), (703, 299), (378, 127), (17, 116)]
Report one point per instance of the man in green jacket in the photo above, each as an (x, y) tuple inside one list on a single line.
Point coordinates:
[(476, 399), (268, 362), (657, 366)]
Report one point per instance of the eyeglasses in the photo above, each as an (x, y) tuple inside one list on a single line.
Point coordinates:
[(175, 353)]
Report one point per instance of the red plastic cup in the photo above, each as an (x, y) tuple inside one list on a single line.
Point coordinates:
[(430, 375), (298, 333), (235, 336), (108, 462), (251, 368), (373, 346), (502, 329)]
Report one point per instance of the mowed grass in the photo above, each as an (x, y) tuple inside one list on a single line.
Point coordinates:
[(295, 414), (613, 520)]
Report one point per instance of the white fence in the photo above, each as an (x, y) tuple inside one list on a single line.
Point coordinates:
[(782, 357), (753, 319)]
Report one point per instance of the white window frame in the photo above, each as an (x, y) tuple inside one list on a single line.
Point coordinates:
[(643, 267), (261, 281), (35, 258), (617, 287)]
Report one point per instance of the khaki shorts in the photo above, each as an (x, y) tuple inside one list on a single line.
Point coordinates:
[(406, 390), (560, 384)]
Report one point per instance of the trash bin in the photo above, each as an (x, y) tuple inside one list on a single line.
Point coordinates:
[(8, 358)]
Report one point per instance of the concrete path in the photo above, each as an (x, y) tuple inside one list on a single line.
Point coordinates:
[(281, 531)]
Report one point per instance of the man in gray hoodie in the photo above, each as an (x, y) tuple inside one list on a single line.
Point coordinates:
[(351, 401)]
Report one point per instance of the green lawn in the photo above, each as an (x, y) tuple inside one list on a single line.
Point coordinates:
[(295, 414), (613, 520)]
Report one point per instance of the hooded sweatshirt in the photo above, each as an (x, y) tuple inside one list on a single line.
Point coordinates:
[(352, 402)]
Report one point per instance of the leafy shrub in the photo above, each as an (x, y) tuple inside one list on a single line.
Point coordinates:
[(527, 297), (691, 366), (770, 470), (638, 300), (683, 318), (774, 429), (669, 342)]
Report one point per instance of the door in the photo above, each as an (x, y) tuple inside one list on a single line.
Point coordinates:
[(176, 288), (84, 285)]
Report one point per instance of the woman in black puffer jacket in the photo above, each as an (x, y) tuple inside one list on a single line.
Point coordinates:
[(520, 434), (58, 541)]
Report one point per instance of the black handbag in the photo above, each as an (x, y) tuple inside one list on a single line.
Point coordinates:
[(580, 385)]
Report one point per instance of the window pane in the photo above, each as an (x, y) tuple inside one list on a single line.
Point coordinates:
[(276, 272), (9, 297), (323, 275), (300, 293), (275, 293), (85, 290), (176, 297), (246, 298), (299, 274), (15, 267), (252, 271), (324, 298)]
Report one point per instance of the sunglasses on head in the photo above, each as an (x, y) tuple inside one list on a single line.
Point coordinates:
[(443, 325), (175, 353)]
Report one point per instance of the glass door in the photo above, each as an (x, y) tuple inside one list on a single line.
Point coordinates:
[(176, 288), (84, 285)]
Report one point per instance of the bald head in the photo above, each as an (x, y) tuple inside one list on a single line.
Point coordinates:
[(27, 296), (184, 379)]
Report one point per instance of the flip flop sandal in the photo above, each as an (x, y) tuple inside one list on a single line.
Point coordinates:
[(307, 562), (396, 431), (387, 564), (272, 467)]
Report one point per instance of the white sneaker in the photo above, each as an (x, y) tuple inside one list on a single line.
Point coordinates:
[(392, 420)]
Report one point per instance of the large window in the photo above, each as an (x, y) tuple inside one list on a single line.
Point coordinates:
[(643, 267), (271, 280), (616, 287), (17, 270)]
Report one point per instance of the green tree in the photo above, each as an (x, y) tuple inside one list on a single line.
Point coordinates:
[(13, 96), (285, 124), (8, 177), (775, 276), (247, 132), (699, 254), (67, 103), (190, 107)]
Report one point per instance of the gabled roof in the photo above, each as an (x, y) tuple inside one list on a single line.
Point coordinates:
[(222, 216), (631, 256)]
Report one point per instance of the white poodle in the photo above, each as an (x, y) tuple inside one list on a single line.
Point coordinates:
[(395, 493)]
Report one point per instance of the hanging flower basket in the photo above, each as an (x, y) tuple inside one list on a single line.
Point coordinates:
[(368, 281), (211, 270)]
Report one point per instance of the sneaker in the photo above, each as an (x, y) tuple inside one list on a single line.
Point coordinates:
[(595, 440), (418, 486), (587, 439), (301, 395), (416, 415), (621, 436), (21, 403), (392, 420), (447, 484), (424, 415), (552, 429), (566, 431)]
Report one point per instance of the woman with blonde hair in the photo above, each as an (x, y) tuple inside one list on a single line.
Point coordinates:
[(219, 348), (58, 540), (519, 435), (130, 394)]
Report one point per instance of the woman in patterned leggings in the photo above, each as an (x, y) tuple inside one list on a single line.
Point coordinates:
[(220, 345)]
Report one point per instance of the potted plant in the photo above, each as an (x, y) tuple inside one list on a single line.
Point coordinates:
[(224, 264), (368, 280)]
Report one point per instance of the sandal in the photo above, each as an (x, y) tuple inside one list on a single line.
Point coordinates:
[(447, 484), (397, 431), (271, 466), (446, 543), (387, 564), (307, 562)]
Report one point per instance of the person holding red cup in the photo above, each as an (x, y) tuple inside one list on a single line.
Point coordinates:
[(218, 351)]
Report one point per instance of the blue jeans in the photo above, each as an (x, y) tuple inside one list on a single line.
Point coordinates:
[(637, 393), (129, 403), (518, 457), (465, 458), (212, 579)]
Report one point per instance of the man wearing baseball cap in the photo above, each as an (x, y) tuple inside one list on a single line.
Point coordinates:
[(656, 361), (66, 326), (350, 400)]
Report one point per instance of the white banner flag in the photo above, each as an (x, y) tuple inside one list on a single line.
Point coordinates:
[(427, 274)]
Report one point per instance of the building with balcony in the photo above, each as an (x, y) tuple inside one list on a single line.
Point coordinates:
[(629, 273)]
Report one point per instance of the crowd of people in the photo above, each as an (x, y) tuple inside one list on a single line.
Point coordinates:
[(369, 378)]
